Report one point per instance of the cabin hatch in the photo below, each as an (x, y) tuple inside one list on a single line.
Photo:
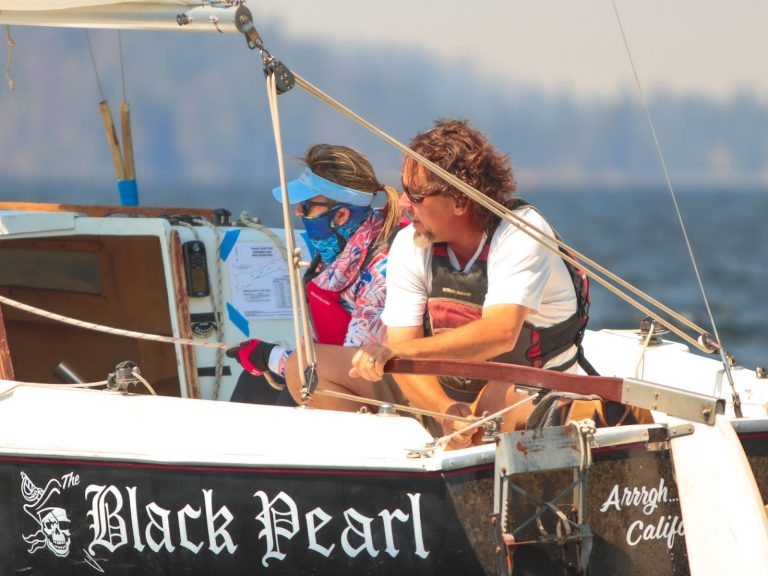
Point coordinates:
[(116, 281)]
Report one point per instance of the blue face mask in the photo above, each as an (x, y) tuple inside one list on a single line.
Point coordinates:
[(329, 240)]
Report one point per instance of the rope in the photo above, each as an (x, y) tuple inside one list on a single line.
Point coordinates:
[(217, 301), (218, 310), (304, 340), (9, 60), (398, 407), (99, 328), (245, 219), (584, 429), (640, 361), (16, 385), (136, 374), (550, 242), (444, 440), (646, 108), (143, 380)]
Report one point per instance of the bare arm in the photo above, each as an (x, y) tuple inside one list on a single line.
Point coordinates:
[(422, 391), (493, 334)]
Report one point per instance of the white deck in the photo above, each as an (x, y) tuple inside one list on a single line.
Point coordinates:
[(111, 426), (106, 425), (618, 352)]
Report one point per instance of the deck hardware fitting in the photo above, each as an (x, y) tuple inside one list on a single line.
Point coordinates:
[(123, 376)]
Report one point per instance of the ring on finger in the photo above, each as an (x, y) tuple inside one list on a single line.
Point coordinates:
[(371, 360)]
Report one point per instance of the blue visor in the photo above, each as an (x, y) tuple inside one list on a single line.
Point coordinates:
[(309, 185)]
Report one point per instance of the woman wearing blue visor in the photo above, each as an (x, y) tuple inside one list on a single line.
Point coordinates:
[(345, 282)]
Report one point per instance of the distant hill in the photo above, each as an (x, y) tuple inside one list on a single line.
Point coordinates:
[(201, 119)]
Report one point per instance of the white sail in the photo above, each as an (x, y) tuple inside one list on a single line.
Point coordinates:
[(186, 15)]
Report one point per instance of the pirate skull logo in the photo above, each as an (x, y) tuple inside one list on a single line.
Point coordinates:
[(55, 526), (53, 522)]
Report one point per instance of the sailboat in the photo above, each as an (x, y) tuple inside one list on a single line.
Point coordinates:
[(132, 463)]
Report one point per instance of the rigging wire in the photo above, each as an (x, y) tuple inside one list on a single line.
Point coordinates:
[(9, 60), (554, 244), (122, 64), (651, 124), (122, 157), (93, 63)]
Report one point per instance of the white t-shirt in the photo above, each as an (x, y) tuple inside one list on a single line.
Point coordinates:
[(520, 271)]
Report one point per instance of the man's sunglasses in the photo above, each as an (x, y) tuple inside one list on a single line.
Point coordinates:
[(418, 198)]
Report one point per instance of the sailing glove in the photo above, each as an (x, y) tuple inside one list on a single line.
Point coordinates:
[(252, 355)]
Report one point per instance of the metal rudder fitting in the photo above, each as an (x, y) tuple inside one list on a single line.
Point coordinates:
[(547, 510)]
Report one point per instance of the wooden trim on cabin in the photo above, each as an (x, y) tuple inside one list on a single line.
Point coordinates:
[(104, 211), (188, 358), (6, 364)]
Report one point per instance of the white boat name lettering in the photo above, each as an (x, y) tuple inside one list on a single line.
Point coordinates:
[(110, 530), (119, 519), (279, 518)]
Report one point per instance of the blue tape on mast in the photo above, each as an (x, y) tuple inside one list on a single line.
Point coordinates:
[(129, 193)]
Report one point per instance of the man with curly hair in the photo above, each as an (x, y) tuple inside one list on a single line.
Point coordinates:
[(463, 284)]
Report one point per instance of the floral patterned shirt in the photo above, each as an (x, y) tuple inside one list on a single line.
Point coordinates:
[(362, 292)]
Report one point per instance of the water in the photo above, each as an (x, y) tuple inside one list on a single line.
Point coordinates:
[(637, 236), (634, 234)]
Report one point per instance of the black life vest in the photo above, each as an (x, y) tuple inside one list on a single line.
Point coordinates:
[(456, 298)]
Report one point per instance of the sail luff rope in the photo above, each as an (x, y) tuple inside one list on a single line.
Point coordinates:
[(646, 108), (583, 261), (302, 331)]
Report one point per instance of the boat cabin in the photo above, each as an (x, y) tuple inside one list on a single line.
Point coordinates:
[(185, 274)]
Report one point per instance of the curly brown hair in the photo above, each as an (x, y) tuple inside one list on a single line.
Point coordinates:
[(465, 152)]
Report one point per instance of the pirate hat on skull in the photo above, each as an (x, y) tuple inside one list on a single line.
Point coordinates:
[(37, 498)]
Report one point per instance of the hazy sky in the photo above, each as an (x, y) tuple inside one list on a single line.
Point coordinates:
[(712, 46)]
